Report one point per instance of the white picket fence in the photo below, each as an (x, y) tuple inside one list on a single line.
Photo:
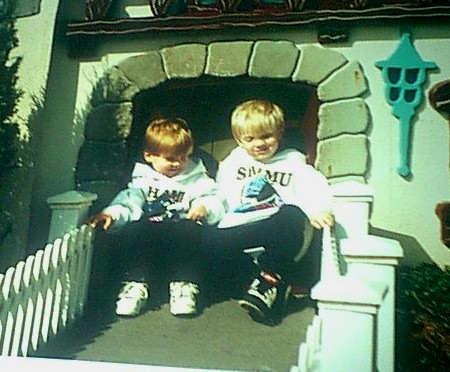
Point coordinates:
[(44, 293), (354, 329)]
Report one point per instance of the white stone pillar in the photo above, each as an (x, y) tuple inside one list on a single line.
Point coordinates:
[(375, 258), (348, 308), (351, 206), (69, 211)]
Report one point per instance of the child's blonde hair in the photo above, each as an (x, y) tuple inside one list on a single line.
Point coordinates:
[(168, 136), (257, 116)]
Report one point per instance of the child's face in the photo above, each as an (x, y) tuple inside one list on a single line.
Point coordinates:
[(166, 163), (259, 145)]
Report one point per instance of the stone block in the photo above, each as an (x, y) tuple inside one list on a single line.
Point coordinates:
[(228, 58), (113, 87), (145, 70), (345, 155), (105, 191), (184, 61), (316, 63), (101, 161), (349, 81), (344, 116), (273, 59), (110, 122)]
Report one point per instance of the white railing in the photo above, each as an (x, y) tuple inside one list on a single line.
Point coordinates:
[(42, 295), (355, 326)]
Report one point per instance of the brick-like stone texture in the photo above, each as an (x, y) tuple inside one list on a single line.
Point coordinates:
[(113, 87), (273, 59), (345, 155), (228, 58), (184, 61), (145, 70), (349, 81), (344, 116), (316, 64), (105, 190), (101, 161), (110, 122)]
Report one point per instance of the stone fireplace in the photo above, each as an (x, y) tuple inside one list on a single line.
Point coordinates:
[(318, 88)]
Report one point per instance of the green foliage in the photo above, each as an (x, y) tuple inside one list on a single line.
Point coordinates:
[(9, 94), (427, 302)]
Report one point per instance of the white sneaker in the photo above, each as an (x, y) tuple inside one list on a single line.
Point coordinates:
[(132, 298), (183, 298)]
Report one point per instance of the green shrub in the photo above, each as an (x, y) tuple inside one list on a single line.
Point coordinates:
[(424, 310), (9, 94)]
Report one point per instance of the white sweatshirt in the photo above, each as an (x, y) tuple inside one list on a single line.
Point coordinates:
[(296, 182), (189, 188)]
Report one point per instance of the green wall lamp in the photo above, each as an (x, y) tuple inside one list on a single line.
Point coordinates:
[(404, 72)]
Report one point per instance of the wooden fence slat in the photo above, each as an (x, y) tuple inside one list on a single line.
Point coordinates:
[(48, 292), (55, 286), (29, 312), (7, 282), (16, 307), (86, 243), (9, 327), (64, 279), (73, 259), (6, 318), (38, 313)]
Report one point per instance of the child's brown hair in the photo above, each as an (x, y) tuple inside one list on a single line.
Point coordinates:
[(168, 136)]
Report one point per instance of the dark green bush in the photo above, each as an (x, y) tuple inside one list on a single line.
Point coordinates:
[(424, 311), (9, 94)]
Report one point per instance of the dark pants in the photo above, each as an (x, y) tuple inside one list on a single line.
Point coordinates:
[(281, 235), (144, 249)]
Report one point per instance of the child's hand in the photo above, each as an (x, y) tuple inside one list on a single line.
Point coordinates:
[(197, 213), (102, 218), (322, 219)]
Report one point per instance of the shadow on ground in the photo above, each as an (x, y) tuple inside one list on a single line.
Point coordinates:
[(222, 336)]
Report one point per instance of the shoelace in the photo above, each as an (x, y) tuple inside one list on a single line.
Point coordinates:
[(185, 290), (134, 290)]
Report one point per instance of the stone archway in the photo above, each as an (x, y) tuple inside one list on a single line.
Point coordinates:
[(342, 147)]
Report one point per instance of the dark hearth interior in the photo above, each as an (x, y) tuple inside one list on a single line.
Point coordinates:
[(206, 104)]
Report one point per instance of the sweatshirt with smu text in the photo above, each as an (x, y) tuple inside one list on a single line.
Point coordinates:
[(296, 182)]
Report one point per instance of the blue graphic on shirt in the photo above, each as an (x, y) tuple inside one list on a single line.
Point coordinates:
[(164, 208), (258, 194)]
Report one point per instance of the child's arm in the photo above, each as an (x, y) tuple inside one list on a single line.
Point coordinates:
[(207, 202), (197, 213), (322, 219)]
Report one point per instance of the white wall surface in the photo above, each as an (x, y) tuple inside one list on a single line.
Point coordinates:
[(406, 206), (35, 34)]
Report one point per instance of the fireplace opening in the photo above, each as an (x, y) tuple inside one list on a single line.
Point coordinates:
[(319, 90), (206, 103)]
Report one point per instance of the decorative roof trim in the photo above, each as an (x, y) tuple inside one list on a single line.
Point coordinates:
[(251, 20)]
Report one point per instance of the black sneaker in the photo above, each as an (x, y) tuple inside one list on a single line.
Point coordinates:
[(266, 298)]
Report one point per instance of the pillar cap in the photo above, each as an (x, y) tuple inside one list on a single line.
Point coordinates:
[(352, 189), (72, 197), (350, 291), (371, 247)]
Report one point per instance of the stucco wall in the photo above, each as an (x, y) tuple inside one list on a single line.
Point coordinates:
[(403, 209), (35, 36), (406, 207)]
